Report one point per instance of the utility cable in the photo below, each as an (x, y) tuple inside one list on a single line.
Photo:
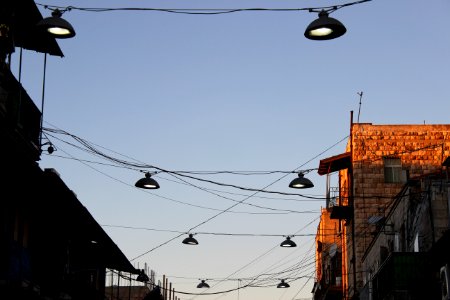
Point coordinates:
[(202, 11), (92, 150), (264, 254), (217, 233), (185, 203), (216, 215)]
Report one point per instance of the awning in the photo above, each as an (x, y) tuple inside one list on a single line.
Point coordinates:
[(22, 17), (75, 222), (335, 163)]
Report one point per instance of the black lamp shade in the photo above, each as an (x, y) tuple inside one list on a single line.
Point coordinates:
[(203, 284), (190, 240), (324, 28), (288, 243), (57, 26), (142, 277), (301, 182), (283, 284), (147, 182)]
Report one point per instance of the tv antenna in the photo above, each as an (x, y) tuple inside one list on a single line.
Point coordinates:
[(359, 109)]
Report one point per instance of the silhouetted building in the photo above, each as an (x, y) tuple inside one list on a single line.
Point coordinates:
[(50, 245)]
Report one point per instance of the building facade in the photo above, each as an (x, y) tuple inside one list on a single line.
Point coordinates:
[(409, 255), (50, 245), (328, 259), (378, 163)]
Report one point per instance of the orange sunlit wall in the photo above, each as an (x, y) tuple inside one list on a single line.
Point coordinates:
[(328, 235), (417, 149), (343, 201)]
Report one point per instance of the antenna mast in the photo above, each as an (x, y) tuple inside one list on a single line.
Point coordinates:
[(359, 109)]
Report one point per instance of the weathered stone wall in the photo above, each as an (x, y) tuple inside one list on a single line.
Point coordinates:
[(421, 148), (329, 245), (421, 212)]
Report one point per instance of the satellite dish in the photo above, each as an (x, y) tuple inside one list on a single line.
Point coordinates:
[(333, 249)]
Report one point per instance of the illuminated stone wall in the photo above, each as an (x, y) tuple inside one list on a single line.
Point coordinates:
[(421, 150)]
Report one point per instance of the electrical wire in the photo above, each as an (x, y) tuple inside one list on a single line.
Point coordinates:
[(264, 254), (216, 233), (89, 148), (305, 264), (309, 197), (278, 211), (157, 195), (93, 150), (203, 11), (257, 281), (316, 197), (250, 204)]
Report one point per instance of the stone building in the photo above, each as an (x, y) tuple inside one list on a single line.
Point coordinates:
[(410, 248), (378, 162), (328, 259)]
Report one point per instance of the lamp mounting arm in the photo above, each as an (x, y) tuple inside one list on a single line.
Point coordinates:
[(58, 12), (324, 11), (333, 8), (305, 171), (148, 173)]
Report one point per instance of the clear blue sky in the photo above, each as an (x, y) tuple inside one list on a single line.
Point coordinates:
[(243, 91)]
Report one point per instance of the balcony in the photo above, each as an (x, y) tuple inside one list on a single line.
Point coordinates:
[(334, 204)]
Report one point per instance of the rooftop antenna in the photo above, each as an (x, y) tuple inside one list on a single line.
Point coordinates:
[(359, 109)]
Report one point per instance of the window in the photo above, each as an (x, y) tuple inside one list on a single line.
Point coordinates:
[(392, 170)]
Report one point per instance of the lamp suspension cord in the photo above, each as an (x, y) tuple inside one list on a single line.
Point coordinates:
[(20, 65), (20, 82), (42, 102)]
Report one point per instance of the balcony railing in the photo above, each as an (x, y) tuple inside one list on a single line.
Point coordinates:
[(335, 204)]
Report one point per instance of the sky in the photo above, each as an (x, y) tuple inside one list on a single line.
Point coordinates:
[(241, 99)]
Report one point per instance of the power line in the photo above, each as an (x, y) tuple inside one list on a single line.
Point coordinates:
[(201, 11), (92, 150), (264, 254), (274, 210), (89, 148), (216, 233)]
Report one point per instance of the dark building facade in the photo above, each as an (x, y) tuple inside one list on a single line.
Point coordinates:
[(50, 245)]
